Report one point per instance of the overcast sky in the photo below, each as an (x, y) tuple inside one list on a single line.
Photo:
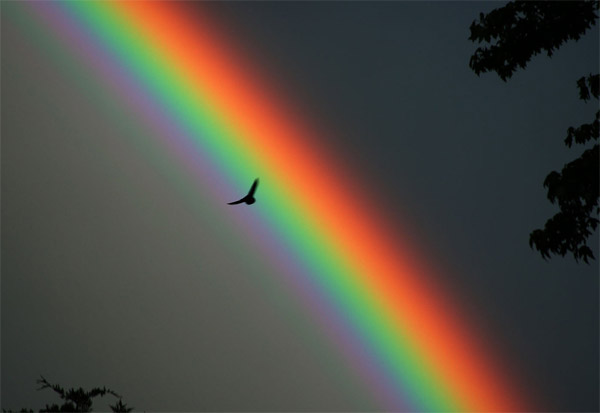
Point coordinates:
[(111, 275)]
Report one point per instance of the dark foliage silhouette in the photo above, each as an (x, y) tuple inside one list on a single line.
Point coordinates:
[(575, 189), (515, 33), (76, 400), (522, 29), (249, 198)]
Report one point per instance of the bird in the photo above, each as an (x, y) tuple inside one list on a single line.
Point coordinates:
[(248, 199)]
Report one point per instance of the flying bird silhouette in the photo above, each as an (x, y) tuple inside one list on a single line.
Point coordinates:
[(248, 199)]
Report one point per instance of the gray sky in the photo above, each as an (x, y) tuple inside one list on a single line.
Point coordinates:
[(111, 275)]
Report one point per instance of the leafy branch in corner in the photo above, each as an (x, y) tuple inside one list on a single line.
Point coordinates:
[(522, 29), (76, 399), (515, 33)]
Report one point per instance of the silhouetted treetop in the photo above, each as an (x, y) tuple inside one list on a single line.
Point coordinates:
[(76, 400), (523, 29)]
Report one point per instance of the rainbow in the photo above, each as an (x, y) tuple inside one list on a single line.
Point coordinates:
[(385, 308)]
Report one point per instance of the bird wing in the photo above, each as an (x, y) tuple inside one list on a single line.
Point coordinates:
[(239, 201), (253, 187)]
